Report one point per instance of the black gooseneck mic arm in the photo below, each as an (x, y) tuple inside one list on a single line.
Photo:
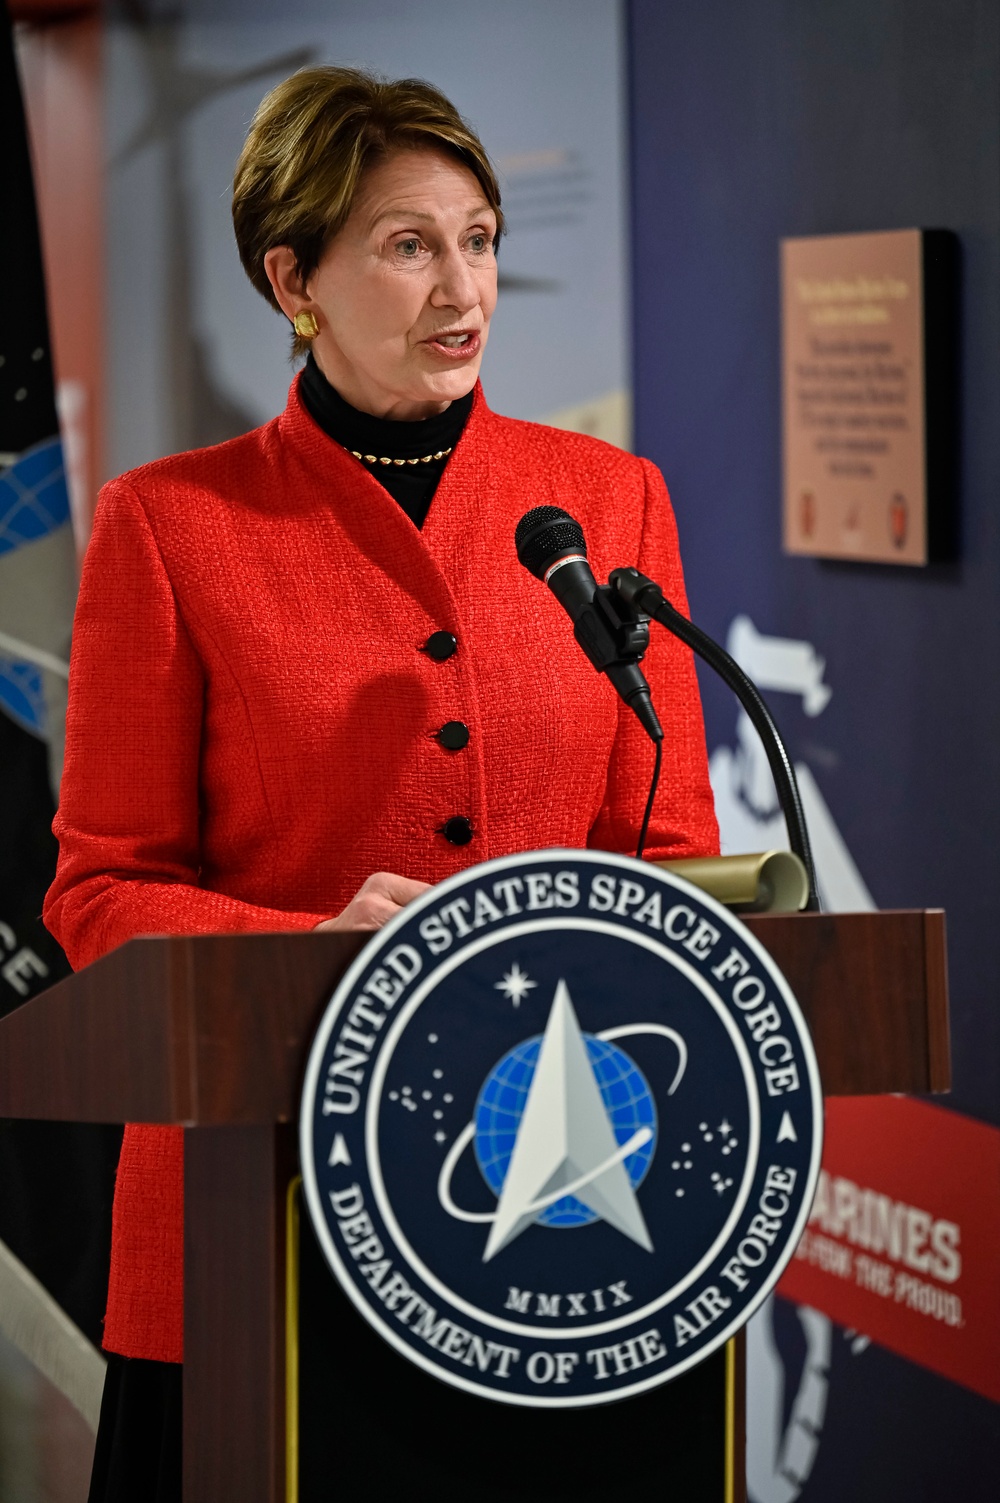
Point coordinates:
[(638, 593)]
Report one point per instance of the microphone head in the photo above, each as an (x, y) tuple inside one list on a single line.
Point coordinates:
[(544, 534)]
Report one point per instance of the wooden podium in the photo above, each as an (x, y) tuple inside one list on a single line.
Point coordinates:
[(212, 1032)]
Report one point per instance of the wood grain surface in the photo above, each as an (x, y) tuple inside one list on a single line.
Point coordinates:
[(235, 1179), (216, 1028), (206, 1029), (874, 990)]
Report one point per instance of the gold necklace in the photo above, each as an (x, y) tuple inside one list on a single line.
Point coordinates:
[(382, 459)]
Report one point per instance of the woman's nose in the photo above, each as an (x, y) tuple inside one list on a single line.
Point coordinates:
[(456, 285)]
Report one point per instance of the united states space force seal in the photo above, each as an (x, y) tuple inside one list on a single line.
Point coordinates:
[(561, 1128)]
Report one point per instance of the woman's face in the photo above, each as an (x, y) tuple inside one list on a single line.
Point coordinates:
[(405, 291)]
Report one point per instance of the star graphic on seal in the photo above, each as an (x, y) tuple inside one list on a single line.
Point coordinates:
[(515, 985)]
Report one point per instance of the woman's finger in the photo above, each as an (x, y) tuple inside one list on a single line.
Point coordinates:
[(379, 899), (399, 890)]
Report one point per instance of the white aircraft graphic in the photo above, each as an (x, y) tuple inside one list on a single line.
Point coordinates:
[(780, 1454), (746, 803)]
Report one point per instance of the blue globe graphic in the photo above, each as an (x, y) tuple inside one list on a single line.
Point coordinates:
[(627, 1100)]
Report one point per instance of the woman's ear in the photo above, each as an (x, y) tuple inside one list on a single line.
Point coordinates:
[(286, 284)]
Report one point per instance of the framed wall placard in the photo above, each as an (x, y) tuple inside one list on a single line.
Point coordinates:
[(868, 395)]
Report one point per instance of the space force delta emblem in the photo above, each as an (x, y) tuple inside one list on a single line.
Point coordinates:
[(561, 1128)]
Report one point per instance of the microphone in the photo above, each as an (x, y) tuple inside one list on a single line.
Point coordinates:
[(550, 544)]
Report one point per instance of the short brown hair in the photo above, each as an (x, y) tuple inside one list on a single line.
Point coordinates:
[(308, 147)]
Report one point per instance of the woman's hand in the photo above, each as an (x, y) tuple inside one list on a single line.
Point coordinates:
[(377, 900)]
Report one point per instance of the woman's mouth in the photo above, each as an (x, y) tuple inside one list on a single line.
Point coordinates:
[(461, 344)]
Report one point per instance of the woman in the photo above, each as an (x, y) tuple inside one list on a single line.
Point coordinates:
[(309, 676)]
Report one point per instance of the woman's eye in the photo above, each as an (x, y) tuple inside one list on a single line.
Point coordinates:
[(408, 247), (478, 243)]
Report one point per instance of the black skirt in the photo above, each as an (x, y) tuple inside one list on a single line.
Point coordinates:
[(138, 1451)]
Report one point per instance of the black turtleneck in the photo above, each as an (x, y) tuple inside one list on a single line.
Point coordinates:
[(412, 485)]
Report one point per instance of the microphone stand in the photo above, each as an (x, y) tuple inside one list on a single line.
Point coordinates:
[(642, 595)]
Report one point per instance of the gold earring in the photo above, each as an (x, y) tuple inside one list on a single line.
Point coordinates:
[(305, 325)]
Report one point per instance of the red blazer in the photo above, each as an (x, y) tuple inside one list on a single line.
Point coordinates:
[(252, 720)]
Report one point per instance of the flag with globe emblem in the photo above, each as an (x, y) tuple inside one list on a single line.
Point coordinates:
[(37, 571), (56, 1179)]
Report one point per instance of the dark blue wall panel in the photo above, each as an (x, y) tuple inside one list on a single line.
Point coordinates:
[(797, 117)]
